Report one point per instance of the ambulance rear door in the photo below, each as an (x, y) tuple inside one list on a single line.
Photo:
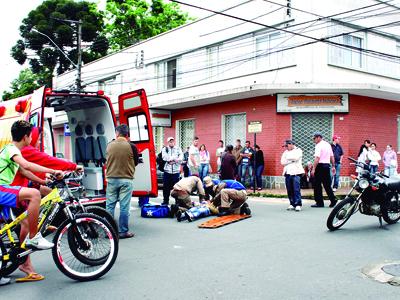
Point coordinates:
[(134, 111)]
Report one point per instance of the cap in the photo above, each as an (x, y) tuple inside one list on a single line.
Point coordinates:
[(336, 137), (207, 181), (170, 138), (288, 142), (318, 134)]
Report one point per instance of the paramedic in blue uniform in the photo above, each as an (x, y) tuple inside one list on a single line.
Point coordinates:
[(173, 156)]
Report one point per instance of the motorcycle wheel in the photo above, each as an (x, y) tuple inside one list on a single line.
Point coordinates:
[(391, 210), (341, 213), (94, 248)]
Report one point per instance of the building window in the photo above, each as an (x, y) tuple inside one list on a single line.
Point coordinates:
[(158, 138), (107, 85), (166, 73), (185, 133), (60, 145), (352, 57), (212, 62), (266, 53), (234, 128), (171, 74)]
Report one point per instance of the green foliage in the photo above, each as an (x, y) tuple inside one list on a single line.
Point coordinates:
[(131, 21), (47, 18), (25, 84)]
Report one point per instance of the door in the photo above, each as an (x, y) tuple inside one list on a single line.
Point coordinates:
[(134, 112)]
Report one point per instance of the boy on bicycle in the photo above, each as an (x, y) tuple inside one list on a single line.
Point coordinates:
[(11, 161)]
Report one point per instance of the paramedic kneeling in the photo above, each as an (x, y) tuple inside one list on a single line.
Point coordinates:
[(15, 196)]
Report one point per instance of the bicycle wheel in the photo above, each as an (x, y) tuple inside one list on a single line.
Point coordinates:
[(99, 211), (94, 239), (12, 263)]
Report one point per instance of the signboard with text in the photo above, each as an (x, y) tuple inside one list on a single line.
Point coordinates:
[(254, 127), (289, 103), (160, 117)]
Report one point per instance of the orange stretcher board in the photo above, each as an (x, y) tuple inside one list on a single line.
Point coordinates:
[(222, 221)]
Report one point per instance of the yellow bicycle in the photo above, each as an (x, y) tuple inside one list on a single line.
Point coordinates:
[(85, 245)]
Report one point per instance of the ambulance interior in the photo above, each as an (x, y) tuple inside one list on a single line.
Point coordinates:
[(92, 128)]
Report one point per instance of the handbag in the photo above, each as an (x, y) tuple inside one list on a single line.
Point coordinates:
[(155, 211)]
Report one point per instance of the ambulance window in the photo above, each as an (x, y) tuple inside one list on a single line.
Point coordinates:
[(132, 103), (138, 129), (34, 119), (47, 138)]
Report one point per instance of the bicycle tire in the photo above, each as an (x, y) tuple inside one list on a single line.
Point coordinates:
[(88, 272), (102, 212)]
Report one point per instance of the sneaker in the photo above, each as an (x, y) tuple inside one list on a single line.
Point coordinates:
[(334, 189), (4, 280), (38, 242), (290, 207), (298, 208)]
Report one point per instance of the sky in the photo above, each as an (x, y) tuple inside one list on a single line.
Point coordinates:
[(10, 22)]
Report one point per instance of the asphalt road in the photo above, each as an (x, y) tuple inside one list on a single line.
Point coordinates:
[(276, 254)]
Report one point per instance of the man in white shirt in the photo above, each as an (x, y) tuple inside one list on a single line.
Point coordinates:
[(173, 156), (293, 169), (194, 157), (323, 158)]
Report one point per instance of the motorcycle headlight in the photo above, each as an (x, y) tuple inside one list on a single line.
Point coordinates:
[(363, 183)]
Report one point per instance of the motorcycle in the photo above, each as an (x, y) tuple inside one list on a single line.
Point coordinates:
[(378, 195)]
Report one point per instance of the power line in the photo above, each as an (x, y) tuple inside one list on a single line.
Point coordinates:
[(235, 46), (242, 60), (282, 29)]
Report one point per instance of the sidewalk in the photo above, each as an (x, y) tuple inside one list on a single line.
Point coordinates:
[(305, 193)]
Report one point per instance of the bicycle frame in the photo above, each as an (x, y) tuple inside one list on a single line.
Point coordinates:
[(47, 203)]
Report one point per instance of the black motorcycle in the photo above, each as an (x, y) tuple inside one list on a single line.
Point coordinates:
[(373, 194)]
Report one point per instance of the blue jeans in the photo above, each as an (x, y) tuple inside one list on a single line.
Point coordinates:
[(389, 171), (169, 181), (293, 189), (373, 168), (244, 168), (203, 170), (259, 171), (336, 176), (119, 189)]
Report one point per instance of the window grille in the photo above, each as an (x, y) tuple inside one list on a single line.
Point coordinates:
[(158, 138), (235, 128), (303, 128), (186, 133)]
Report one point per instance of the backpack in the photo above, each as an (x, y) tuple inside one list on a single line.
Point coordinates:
[(155, 211), (160, 161)]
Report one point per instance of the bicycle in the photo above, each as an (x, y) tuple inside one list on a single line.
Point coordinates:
[(86, 245)]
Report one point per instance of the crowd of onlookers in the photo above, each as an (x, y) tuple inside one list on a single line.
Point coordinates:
[(241, 163)]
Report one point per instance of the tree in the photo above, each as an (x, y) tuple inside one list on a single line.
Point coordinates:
[(131, 21), (47, 18), (25, 84)]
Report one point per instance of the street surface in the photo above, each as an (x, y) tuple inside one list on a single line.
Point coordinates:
[(276, 254)]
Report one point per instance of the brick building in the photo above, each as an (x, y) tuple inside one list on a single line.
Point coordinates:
[(216, 74)]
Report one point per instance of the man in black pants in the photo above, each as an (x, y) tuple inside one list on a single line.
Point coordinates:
[(172, 155), (323, 158)]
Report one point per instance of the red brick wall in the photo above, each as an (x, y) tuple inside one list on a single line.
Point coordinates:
[(369, 118)]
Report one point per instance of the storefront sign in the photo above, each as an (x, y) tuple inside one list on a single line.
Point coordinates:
[(67, 131), (160, 117), (254, 127), (288, 103)]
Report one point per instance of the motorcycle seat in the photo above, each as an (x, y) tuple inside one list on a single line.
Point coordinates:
[(393, 183)]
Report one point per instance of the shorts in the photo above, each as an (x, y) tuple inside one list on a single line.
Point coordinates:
[(9, 195)]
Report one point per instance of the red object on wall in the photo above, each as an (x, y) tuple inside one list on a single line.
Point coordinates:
[(21, 106), (2, 110)]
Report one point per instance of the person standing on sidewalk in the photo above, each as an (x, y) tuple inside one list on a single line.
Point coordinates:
[(259, 159), (172, 155), (390, 161), (323, 158), (338, 155), (293, 169), (120, 174), (194, 157)]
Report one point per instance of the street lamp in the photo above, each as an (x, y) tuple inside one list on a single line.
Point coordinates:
[(77, 66)]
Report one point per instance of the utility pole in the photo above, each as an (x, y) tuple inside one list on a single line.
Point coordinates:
[(79, 71)]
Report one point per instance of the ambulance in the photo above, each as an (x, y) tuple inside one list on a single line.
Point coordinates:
[(92, 121)]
